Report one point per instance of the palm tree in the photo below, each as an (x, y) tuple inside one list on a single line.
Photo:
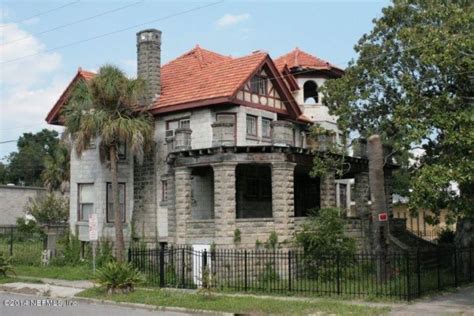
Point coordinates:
[(106, 109), (56, 170)]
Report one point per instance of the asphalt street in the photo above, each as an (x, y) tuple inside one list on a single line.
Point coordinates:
[(20, 305)]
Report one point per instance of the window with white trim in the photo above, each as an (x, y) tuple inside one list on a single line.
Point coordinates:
[(85, 201), (172, 125), (266, 128), (251, 125), (164, 190), (258, 85)]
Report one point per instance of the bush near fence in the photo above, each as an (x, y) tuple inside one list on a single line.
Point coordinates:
[(407, 275), (26, 248)]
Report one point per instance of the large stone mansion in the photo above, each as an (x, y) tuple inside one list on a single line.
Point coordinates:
[(231, 151)]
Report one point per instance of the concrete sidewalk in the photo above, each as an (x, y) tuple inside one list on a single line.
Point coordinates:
[(460, 302), (81, 284)]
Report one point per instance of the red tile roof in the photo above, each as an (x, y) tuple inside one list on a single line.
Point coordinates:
[(298, 58), (202, 75), (199, 78), (53, 114)]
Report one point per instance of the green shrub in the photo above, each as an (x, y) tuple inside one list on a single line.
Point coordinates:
[(272, 242), (237, 236), (269, 274), (208, 287), (26, 227), (49, 209), (446, 236), (118, 277), (104, 252), (322, 237), (324, 234), (71, 253), (5, 265)]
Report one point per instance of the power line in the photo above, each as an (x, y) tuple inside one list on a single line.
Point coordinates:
[(115, 32), (9, 141), (72, 23), (42, 13)]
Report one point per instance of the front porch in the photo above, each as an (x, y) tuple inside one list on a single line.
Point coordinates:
[(254, 190)]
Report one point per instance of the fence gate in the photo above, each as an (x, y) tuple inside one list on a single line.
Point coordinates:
[(200, 261)]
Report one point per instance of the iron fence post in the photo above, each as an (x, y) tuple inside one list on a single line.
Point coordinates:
[(418, 271), (205, 277), (470, 264), (245, 270), (455, 268), (438, 268), (407, 256), (338, 273), (182, 267), (11, 241), (162, 266), (129, 254), (289, 270)]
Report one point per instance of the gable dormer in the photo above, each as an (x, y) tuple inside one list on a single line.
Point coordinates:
[(260, 90)]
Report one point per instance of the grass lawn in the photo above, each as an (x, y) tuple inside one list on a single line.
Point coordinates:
[(11, 279), (241, 305), (81, 272)]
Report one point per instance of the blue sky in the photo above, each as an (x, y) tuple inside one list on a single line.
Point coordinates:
[(30, 86)]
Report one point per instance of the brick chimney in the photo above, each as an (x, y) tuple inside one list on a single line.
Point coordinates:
[(149, 62)]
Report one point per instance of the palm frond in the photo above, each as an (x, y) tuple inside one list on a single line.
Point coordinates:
[(106, 108)]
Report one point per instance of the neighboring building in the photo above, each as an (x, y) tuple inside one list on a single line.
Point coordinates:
[(418, 225), (231, 150), (14, 200)]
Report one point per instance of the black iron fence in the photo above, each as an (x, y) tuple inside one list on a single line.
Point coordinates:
[(26, 247), (400, 275)]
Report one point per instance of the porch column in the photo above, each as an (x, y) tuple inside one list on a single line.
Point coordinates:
[(361, 192), (283, 206), (328, 189), (224, 203), (183, 202)]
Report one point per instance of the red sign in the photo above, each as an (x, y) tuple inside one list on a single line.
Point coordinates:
[(383, 217)]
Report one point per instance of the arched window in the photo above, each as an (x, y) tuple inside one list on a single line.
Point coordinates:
[(310, 90)]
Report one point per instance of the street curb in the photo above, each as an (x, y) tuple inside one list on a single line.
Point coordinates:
[(127, 304), (152, 307)]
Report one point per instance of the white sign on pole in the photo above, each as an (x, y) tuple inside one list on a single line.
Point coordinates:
[(93, 227)]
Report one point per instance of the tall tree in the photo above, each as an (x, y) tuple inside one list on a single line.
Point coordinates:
[(106, 109), (412, 84), (26, 165)]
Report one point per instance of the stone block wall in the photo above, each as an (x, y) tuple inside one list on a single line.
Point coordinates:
[(328, 189), (14, 200), (224, 202), (283, 198), (144, 199), (182, 202), (361, 192), (88, 169)]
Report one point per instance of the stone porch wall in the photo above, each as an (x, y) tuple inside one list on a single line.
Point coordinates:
[(221, 230)]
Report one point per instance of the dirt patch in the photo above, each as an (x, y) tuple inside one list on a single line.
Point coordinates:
[(23, 290)]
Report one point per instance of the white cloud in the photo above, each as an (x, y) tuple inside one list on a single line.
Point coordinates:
[(32, 21), (28, 87), (232, 19), (27, 71)]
